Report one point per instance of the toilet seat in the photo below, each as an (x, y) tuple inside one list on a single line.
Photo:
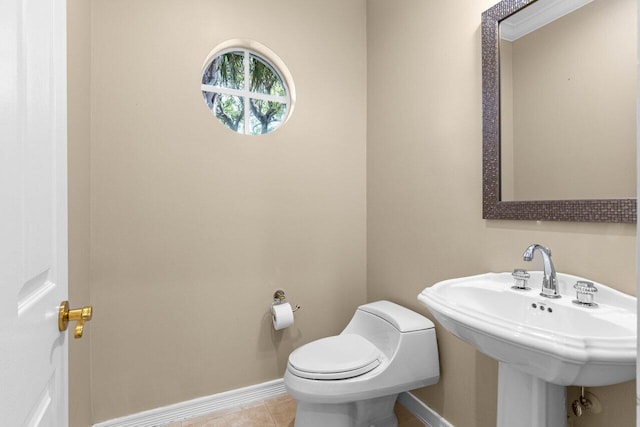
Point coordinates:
[(335, 358)]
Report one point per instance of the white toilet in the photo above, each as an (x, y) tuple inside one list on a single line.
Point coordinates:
[(353, 379)]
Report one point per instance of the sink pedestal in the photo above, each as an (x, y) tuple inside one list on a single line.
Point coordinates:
[(527, 401)]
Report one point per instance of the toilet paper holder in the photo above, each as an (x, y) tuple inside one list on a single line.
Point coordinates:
[(279, 297)]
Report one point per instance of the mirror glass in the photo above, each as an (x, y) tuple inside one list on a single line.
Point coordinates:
[(568, 100)]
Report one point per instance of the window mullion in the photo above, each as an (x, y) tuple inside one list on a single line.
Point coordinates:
[(223, 90), (247, 90), (267, 97), (242, 93)]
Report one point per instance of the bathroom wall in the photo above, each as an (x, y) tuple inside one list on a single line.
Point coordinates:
[(424, 196), (193, 227), (184, 229), (566, 75), (78, 144), (506, 121)]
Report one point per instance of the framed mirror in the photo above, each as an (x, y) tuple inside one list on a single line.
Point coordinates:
[(559, 85)]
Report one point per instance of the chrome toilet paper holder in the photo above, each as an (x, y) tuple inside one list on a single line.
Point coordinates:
[(279, 297)]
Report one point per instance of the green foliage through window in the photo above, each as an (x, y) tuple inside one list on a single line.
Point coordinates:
[(255, 110)]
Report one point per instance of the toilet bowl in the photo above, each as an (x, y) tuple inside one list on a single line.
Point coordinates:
[(353, 379)]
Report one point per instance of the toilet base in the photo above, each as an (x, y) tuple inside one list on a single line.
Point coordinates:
[(376, 412)]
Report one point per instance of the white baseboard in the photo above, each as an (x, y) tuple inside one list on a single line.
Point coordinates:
[(421, 411), (243, 396), (199, 407)]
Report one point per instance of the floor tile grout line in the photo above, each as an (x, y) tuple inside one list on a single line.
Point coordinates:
[(273, 420)]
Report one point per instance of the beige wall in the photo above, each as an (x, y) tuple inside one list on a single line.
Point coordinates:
[(186, 229), (193, 227), (574, 96), (424, 172), (506, 121), (79, 137)]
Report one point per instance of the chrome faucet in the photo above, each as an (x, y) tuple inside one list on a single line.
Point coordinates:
[(549, 281)]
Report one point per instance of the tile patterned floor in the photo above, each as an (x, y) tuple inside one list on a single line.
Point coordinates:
[(276, 412)]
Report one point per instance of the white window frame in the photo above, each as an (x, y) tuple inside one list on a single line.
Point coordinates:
[(245, 94)]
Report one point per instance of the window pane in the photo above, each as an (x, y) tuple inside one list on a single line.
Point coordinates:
[(266, 116), (245, 91), (229, 110), (208, 98), (225, 71), (264, 79)]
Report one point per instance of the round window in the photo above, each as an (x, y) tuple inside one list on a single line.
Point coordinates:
[(247, 87)]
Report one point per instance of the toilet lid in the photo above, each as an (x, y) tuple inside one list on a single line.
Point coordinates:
[(339, 357)]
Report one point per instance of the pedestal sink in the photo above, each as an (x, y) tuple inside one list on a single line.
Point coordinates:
[(541, 344)]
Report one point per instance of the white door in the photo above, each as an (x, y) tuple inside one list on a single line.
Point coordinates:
[(33, 213)]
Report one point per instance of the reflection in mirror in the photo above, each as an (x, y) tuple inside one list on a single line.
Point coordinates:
[(568, 100), (550, 150)]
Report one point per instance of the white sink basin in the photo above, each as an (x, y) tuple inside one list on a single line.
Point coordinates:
[(551, 339)]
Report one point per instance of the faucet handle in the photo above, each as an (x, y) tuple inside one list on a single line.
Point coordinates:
[(521, 276), (584, 293), (585, 287)]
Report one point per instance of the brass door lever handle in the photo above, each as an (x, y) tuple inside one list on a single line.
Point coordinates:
[(79, 315)]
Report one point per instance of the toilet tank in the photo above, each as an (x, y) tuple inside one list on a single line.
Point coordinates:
[(401, 318), (384, 322)]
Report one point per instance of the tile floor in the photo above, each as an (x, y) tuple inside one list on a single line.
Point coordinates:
[(279, 411)]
